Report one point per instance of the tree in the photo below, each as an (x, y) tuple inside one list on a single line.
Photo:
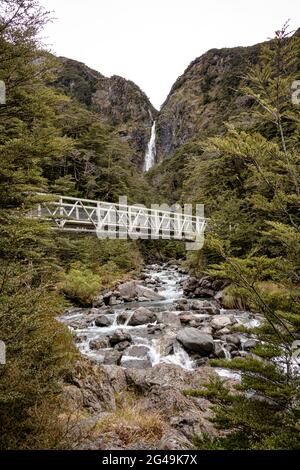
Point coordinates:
[(39, 349), (265, 274)]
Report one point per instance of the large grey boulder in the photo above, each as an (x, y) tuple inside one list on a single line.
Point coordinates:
[(139, 351), (221, 321), (195, 341), (103, 321), (132, 290), (119, 336), (142, 316)]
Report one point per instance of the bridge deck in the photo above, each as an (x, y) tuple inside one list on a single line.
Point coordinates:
[(109, 220)]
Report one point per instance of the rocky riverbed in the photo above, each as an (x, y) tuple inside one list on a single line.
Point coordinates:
[(152, 321), (153, 338)]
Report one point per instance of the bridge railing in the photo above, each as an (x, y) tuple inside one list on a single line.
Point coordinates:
[(115, 220)]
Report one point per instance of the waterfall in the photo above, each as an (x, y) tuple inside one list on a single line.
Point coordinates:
[(151, 150)]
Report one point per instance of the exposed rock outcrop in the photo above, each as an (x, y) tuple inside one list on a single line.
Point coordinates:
[(119, 102), (204, 97)]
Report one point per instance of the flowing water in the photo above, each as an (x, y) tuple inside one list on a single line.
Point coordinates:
[(168, 281), (151, 150)]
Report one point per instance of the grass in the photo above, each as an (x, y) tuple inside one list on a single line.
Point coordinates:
[(132, 424), (231, 300)]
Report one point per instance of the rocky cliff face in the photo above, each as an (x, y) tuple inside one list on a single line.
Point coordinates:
[(200, 101), (204, 97), (119, 102)]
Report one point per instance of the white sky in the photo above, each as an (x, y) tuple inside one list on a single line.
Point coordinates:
[(151, 42)]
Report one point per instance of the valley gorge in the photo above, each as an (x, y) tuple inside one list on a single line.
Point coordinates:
[(200, 101), (149, 344), (162, 332)]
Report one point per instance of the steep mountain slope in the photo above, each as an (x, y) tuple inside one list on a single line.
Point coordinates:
[(204, 97), (119, 102)]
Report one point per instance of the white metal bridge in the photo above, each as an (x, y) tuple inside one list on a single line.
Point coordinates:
[(110, 220)]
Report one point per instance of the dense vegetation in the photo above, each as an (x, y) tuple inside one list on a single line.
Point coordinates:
[(48, 143), (250, 181), (248, 177)]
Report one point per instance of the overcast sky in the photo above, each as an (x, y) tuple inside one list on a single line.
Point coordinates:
[(152, 42)]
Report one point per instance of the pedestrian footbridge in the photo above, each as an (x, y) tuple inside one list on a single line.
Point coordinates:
[(122, 221)]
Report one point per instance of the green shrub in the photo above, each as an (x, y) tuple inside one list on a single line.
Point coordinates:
[(81, 285)]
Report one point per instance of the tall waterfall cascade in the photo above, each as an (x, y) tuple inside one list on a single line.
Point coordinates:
[(151, 150)]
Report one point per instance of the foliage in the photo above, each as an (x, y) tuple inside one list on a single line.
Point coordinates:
[(250, 180), (264, 419), (81, 285), (92, 264)]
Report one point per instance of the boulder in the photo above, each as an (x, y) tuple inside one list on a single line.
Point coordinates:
[(135, 363), (128, 290), (186, 318), (193, 340), (231, 347), (205, 281), (219, 296), (166, 344), (137, 351), (204, 292), (182, 304), (123, 317), (148, 294), (122, 346), (174, 440), (133, 290), (96, 392), (106, 297), (114, 301), (116, 376), (103, 321), (99, 301), (222, 333), (249, 344), (142, 316), (167, 377), (221, 321), (190, 284), (155, 329), (119, 336), (205, 306), (169, 318), (219, 350), (233, 339), (112, 357), (100, 343)]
